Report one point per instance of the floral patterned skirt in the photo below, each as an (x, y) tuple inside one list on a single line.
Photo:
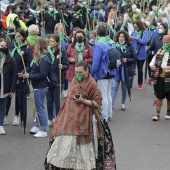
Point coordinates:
[(64, 153)]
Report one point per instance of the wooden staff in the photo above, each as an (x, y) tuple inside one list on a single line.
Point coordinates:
[(65, 32), (60, 54)]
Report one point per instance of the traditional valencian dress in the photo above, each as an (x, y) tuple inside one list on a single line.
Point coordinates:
[(81, 138)]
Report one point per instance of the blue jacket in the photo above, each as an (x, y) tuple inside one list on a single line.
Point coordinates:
[(64, 45), (39, 73), (96, 13), (9, 76), (101, 61), (142, 53)]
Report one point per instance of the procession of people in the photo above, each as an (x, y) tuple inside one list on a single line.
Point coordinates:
[(72, 56)]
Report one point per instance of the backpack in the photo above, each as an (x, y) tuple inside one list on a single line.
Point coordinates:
[(52, 77), (113, 57)]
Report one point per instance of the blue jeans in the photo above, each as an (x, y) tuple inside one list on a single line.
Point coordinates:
[(39, 96), (115, 87), (3, 102), (53, 97)]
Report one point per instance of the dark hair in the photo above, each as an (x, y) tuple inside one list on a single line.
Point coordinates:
[(83, 64), (22, 32), (48, 36), (56, 37), (102, 31), (140, 24), (78, 7), (8, 57), (154, 22), (126, 34), (84, 35)]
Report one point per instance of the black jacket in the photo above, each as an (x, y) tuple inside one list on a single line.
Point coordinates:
[(29, 15), (64, 62), (27, 56), (9, 76), (39, 73), (156, 43), (51, 21), (131, 57)]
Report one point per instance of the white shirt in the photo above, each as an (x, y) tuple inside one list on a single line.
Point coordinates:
[(164, 60)]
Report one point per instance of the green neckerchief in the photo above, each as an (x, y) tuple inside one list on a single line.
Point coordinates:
[(105, 40), (53, 13), (77, 15), (79, 50), (2, 56), (18, 48), (139, 33), (121, 46), (113, 30), (153, 27), (32, 39), (166, 47), (124, 4), (122, 27), (92, 42), (50, 50), (62, 37), (34, 61)]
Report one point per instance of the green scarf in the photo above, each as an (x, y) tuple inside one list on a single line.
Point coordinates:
[(166, 47), (52, 13), (34, 61), (77, 15), (62, 37), (153, 27), (124, 4), (139, 33), (113, 30), (18, 48), (79, 50), (32, 39), (2, 56), (50, 50), (105, 40), (121, 46)]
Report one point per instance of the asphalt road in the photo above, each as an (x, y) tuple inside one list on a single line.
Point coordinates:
[(140, 143)]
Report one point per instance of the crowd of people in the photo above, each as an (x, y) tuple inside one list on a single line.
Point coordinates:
[(85, 50)]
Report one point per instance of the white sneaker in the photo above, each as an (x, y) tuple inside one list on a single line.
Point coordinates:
[(34, 130), (6, 121), (167, 117), (16, 121), (2, 131), (123, 107), (40, 134), (155, 118)]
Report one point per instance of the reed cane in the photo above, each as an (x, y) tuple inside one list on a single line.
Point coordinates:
[(33, 100), (60, 54)]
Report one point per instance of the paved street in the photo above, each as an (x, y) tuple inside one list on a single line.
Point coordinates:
[(140, 144)]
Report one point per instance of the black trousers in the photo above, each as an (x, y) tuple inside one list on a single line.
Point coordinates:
[(20, 98), (140, 64)]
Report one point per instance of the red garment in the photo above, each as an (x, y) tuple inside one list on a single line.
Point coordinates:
[(75, 119), (72, 53), (4, 16)]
